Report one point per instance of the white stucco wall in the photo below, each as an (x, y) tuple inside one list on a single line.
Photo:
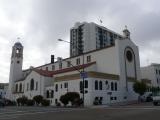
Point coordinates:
[(127, 70), (42, 83), (149, 72), (73, 86)]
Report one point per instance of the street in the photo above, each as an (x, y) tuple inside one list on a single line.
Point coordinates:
[(145, 111)]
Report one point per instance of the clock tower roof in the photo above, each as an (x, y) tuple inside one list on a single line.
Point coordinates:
[(18, 44)]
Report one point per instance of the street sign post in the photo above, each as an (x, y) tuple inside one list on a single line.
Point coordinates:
[(83, 74)]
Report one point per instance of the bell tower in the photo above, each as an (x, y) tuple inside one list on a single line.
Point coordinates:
[(16, 65)]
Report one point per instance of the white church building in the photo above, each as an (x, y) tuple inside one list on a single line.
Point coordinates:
[(109, 74)]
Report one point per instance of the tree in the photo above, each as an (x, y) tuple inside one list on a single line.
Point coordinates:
[(140, 87), (45, 102), (38, 99), (30, 102), (154, 89), (158, 89)]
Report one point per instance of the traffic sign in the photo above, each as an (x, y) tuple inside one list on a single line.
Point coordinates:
[(83, 74)]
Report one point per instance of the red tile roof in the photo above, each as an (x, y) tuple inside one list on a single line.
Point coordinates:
[(51, 73), (44, 72)]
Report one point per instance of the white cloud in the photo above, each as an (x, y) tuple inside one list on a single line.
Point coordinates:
[(40, 23)]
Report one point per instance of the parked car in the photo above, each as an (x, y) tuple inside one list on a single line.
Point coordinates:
[(147, 97), (156, 98), (2, 102)]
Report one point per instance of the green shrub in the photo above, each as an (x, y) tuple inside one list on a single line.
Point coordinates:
[(45, 102), (58, 104), (77, 102), (96, 102), (30, 102), (22, 100), (9, 102), (64, 99), (38, 99), (72, 97)]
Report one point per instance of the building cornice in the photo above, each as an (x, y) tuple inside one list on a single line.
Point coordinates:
[(90, 74)]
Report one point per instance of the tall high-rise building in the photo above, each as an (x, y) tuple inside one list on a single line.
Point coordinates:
[(86, 37)]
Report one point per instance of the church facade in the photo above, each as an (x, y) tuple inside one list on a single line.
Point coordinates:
[(109, 75)]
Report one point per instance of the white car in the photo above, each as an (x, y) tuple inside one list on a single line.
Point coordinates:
[(156, 98)]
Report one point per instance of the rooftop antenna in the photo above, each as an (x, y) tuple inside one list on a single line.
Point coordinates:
[(101, 21)]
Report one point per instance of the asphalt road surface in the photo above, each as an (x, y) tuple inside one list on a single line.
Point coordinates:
[(130, 112)]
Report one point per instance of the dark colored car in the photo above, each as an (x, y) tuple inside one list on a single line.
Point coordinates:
[(149, 98), (2, 103)]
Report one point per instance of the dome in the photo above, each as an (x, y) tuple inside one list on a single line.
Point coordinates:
[(18, 44)]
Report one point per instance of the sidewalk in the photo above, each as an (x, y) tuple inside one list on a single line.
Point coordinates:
[(115, 104)]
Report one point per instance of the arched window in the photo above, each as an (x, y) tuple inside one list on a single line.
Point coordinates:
[(96, 85), (100, 85), (115, 85), (52, 93), (56, 87), (65, 85), (17, 51), (16, 87), (27, 86), (32, 84), (81, 86), (47, 94), (20, 87), (112, 86), (86, 84), (129, 56), (36, 85), (56, 101)]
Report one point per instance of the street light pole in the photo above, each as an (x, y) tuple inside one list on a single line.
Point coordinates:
[(83, 79), (82, 69)]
